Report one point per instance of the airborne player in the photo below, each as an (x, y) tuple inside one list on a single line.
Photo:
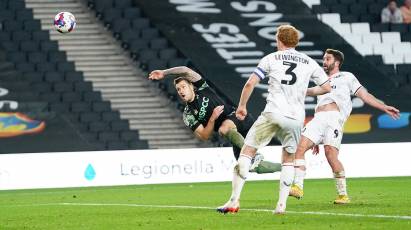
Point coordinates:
[(206, 112)]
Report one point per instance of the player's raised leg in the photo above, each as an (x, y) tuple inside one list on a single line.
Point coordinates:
[(331, 153), (229, 131), (264, 166)]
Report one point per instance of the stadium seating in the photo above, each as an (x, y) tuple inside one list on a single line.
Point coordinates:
[(44, 74), (358, 22), (146, 45), (144, 42)]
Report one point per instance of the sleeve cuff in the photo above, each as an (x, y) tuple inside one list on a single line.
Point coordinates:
[(324, 82), (357, 90), (194, 127)]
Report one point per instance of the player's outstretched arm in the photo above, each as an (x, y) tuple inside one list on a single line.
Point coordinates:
[(374, 102), (319, 90), (179, 71), (311, 91), (248, 88), (204, 133)]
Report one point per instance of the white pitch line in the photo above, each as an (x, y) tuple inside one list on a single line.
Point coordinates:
[(242, 209)]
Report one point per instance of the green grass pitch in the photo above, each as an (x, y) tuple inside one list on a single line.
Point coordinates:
[(377, 203)]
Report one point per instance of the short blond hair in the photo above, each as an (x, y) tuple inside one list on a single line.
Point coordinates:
[(288, 35)]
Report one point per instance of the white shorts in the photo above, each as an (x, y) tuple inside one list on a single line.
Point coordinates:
[(268, 125), (325, 128)]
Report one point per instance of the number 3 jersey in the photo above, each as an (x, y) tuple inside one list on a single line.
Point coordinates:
[(343, 85), (289, 73)]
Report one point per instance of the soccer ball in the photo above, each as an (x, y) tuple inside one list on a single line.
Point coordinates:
[(64, 22)]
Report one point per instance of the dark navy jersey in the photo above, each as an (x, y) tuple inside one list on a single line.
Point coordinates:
[(199, 111)]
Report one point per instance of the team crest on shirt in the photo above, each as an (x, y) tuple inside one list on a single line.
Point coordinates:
[(195, 112), (189, 119)]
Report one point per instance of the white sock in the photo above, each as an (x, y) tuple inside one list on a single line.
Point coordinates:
[(341, 185), (286, 179), (299, 177), (299, 173), (240, 176)]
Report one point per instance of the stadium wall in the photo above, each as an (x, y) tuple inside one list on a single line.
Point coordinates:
[(132, 167), (235, 35)]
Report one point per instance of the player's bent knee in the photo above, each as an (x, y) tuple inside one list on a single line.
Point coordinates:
[(225, 127), (330, 150), (304, 145), (223, 130), (300, 151)]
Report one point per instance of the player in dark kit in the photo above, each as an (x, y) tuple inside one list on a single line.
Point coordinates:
[(206, 112)]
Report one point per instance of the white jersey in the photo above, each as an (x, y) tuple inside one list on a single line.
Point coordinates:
[(343, 85), (289, 73)]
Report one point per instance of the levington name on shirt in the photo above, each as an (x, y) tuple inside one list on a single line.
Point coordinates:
[(288, 57)]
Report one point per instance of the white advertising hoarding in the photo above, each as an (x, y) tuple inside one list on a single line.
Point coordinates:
[(78, 169)]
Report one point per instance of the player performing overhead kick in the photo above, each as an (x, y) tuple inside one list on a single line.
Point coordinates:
[(327, 125), (289, 73), (206, 112)]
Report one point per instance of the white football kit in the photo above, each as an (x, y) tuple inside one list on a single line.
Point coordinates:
[(289, 73), (327, 126)]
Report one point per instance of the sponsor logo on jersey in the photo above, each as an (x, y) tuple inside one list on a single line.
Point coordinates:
[(189, 120), (203, 109)]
